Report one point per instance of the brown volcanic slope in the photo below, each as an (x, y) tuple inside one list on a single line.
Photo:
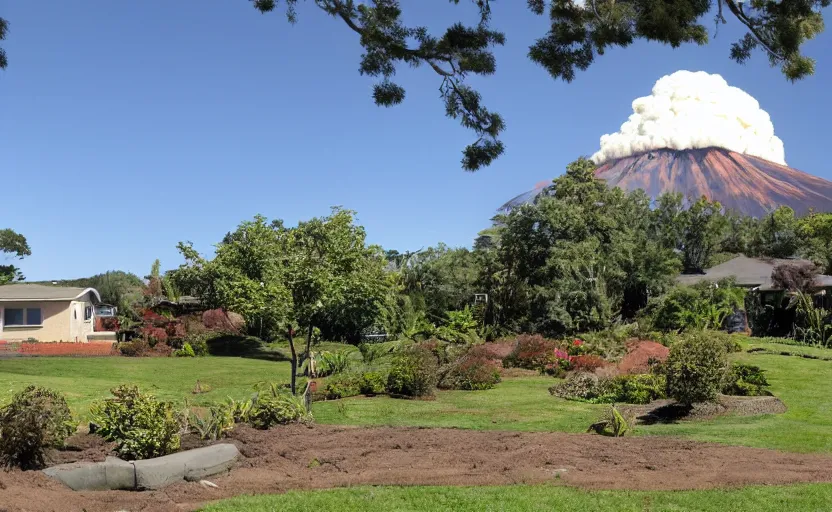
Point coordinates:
[(740, 182)]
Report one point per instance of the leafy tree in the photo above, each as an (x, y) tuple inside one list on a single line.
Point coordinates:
[(337, 282), (12, 245), (4, 28), (777, 235), (816, 234), (440, 279), (578, 31), (246, 276), (704, 227), (580, 256)]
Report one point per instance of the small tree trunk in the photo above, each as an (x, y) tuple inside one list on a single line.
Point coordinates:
[(308, 347), (294, 359)]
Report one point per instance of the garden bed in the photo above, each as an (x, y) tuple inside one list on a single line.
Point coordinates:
[(311, 457), (667, 411)]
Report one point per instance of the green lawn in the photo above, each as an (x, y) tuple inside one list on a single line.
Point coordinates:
[(530, 498), (525, 404), (172, 378), (515, 404)]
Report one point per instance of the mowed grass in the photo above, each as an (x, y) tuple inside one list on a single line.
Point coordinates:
[(84, 380), (531, 498), (525, 404), (522, 404), (515, 404)]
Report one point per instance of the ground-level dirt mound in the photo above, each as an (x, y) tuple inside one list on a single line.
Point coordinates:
[(667, 411), (639, 355), (301, 457)]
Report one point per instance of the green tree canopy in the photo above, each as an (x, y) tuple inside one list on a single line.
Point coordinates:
[(578, 32), (580, 256), (13, 245)]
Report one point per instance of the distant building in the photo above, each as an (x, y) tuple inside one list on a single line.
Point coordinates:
[(49, 313)]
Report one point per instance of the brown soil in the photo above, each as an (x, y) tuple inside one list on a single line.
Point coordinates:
[(639, 354), (667, 411), (300, 457)]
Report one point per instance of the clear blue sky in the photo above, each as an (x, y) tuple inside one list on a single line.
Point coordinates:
[(126, 127)]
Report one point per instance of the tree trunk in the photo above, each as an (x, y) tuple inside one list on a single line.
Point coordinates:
[(294, 359), (307, 356)]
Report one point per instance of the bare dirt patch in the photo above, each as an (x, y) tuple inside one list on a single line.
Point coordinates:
[(300, 457)]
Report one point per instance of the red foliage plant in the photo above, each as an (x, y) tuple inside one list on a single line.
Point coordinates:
[(222, 321), (531, 351), (154, 334), (153, 318), (588, 363), (640, 354), (106, 323), (175, 329)]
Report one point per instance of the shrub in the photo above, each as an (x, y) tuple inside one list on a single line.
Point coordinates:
[(154, 335), (185, 351), (372, 383), (634, 389), (461, 327), (579, 386), (695, 368), (275, 406), (333, 362), (531, 351), (475, 370), (135, 348), (630, 389), (141, 426), (558, 364), (745, 380), (199, 344), (413, 372), (36, 418), (587, 363), (215, 423), (343, 385)]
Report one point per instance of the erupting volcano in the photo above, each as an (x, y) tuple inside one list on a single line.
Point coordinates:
[(747, 184), (698, 136)]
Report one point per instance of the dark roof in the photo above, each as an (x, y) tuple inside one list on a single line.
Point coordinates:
[(26, 292), (750, 272)]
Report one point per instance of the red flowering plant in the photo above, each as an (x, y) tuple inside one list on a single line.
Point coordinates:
[(577, 348), (559, 363)]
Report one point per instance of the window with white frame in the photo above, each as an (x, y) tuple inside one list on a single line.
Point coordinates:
[(22, 316)]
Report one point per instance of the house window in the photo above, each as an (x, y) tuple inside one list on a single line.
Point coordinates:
[(87, 312), (23, 316)]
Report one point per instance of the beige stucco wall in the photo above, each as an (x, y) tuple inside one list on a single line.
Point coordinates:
[(55, 326)]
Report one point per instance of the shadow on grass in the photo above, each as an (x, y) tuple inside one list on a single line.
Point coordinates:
[(665, 414), (243, 346)]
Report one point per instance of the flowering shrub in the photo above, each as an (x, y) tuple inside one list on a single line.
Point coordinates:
[(577, 348), (531, 351), (559, 364)]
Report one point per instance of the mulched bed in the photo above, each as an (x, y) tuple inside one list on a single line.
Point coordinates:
[(321, 456), (667, 411)]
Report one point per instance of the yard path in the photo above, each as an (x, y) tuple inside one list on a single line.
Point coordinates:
[(323, 456)]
